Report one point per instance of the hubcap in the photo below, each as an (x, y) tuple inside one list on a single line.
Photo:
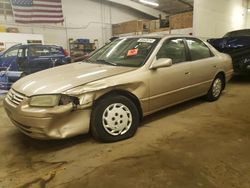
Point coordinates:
[(117, 119), (217, 87)]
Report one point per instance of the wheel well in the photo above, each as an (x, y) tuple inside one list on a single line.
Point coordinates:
[(222, 74), (124, 93)]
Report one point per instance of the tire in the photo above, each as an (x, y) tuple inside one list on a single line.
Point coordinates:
[(216, 89), (114, 118)]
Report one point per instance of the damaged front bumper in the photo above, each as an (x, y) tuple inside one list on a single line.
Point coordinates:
[(47, 123)]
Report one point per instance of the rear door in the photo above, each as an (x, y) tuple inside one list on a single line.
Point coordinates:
[(57, 56), (39, 58), (204, 65)]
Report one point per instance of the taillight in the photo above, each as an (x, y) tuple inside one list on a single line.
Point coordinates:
[(65, 52)]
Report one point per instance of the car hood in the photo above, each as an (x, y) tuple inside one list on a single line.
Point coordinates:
[(60, 79)]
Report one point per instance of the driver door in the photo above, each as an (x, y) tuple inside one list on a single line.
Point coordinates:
[(9, 60), (168, 85)]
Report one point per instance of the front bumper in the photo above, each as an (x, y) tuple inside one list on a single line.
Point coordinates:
[(242, 66), (48, 123)]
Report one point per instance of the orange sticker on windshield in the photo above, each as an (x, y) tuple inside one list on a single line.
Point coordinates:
[(132, 52)]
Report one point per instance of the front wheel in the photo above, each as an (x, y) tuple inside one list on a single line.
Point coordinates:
[(215, 89), (114, 118)]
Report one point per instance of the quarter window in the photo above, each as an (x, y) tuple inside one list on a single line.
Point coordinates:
[(173, 49), (198, 49), (56, 51)]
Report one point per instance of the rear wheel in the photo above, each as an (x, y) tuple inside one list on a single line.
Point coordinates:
[(216, 88), (114, 118)]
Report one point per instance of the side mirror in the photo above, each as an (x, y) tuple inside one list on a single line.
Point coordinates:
[(161, 63)]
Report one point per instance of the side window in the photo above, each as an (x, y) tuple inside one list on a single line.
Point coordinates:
[(38, 51), (56, 51), (173, 49), (11, 53), (198, 49)]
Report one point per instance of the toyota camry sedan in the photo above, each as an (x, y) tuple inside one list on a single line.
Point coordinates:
[(109, 93)]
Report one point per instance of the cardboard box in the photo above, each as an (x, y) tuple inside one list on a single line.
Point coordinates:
[(128, 27), (154, 25), (12, 30), (2, 28), (181, 21)]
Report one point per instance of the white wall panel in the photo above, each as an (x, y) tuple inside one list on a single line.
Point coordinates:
[(214, 18), (84, 19)]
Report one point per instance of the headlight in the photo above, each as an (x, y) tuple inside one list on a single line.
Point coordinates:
[(52, 100), (44, 101)]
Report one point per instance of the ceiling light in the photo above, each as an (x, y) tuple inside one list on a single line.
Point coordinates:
[(149, 3)]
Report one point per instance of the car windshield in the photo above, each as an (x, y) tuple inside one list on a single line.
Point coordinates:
[(132, 52), (238, 33)]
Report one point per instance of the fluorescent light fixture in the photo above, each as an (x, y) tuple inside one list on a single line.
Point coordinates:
[(248, 10), (149, 3)]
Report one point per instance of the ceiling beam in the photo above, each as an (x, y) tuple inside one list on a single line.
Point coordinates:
[(186, 3), (140, 7)]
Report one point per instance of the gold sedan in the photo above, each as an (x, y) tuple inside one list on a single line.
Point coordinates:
[(116, 87)]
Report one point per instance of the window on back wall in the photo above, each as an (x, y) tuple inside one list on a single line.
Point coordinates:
[(5, 8)]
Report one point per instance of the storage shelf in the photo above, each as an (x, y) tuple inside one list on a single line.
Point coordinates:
[(80, 48)]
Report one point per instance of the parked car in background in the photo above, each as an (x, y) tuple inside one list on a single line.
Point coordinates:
[(237, 45), (21, 60), (120, 83)]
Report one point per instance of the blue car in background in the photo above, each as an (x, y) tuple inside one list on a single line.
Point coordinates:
[(21, 60), (237, 45)]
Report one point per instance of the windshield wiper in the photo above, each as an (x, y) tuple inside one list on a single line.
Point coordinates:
[(105, 62)]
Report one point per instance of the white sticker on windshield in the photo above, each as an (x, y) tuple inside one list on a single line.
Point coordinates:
[(146, 40)]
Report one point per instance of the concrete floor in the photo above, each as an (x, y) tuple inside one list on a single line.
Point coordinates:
[(195, 144)]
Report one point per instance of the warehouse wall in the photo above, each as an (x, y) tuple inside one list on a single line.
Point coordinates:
[(84, 19), (248, 19), (214, 18)]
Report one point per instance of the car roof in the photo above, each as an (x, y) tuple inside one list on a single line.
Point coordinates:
[(239, 30), (45, 45), (238, 33), (160, 36)]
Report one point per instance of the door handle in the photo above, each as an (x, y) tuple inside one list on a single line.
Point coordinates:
[(187, 73)]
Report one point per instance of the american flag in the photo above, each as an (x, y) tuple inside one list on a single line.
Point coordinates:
[(37, 11)]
